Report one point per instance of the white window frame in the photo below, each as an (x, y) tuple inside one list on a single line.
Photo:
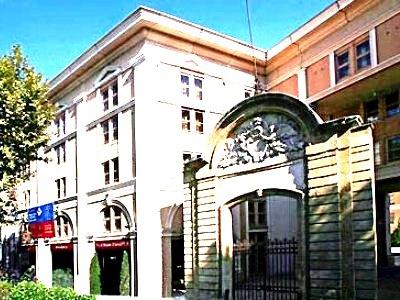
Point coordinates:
[(59, 124), (108, 90), (193, 120), (63, 227), (108, 135), (113, 218), (191, 90), (114, 174)]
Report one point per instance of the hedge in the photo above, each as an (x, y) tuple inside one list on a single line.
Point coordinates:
[(29, 290)]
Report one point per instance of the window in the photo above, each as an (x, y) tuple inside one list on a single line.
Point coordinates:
[(61, 187), (371, 111), (199, 121), (63, 227), (393, 148), (113, 219), (342, 65), (191, 115), (192, 83), (114, 89), (106, 138), (363, 57), (60, 153), (106, 170), (104, 96), (110, 92), (110, 129), (115, 169), (256, 215), (187, 156), (185, 120), (354, 58), (392, 103), (107, 165), (60, 124), (198, 87), (185, 85), (114, 122)]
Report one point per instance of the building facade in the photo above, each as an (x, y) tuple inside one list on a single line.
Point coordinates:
[(144, 100)]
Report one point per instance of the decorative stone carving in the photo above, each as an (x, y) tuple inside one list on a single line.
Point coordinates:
[(261, 138)]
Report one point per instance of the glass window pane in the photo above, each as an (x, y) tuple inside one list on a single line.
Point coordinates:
[(114, 89), (199, 122), (185, 85), (394, 148), (371, 111), (363, 48), (185, 120), (392, 103), (343, 59)]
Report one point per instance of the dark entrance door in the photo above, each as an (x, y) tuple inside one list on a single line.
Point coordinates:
[(177, 264), (110, 266)]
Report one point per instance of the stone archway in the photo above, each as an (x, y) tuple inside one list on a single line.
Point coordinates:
[(259, 239), (276, 142)]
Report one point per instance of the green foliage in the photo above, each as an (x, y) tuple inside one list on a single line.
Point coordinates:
[(28, 290), (395, 237), (60, 293), (31, 290), (63, 278), (95, 284), (5, 289), (125, 278), (25, 115)]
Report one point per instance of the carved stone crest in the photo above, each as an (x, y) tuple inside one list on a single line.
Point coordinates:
[(261, 138)]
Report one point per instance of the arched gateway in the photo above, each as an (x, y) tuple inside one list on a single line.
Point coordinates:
[(273, 212)]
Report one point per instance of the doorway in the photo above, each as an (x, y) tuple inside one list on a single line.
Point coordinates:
[(265, 249), (110, 270)]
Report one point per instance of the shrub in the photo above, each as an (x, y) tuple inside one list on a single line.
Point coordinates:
[(28, 290), (95, 284), (5, 289), (60, 293), (125, 278), (63, 278), (395, 237)]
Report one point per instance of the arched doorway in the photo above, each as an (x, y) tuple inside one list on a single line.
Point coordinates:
[(265, 234)]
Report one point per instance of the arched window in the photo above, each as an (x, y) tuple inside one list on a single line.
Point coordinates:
[(63, 227), (113, 219)]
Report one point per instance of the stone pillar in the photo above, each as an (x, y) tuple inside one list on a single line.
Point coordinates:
[(167, 265)]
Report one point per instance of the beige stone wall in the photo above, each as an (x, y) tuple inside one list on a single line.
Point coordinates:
[(341, 227)]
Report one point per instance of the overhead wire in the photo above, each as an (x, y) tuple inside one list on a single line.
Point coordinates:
[(256, 83)]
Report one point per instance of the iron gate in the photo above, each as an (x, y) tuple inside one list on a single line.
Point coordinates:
[(265, 271)]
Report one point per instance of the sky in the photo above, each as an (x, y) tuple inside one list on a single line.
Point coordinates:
[(53, 33)]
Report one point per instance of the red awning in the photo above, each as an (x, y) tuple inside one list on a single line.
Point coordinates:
[(62, 247)]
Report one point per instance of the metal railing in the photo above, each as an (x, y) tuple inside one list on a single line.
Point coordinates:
[(265, 270)]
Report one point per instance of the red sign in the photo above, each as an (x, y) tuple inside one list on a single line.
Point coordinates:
[(43, 229), (62, 247), (112, 245)]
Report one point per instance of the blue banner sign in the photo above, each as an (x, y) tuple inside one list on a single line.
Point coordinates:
[(41, 213)]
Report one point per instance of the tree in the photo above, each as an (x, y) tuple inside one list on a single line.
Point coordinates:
[(125, 278), (25, 115), (95, 283)]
